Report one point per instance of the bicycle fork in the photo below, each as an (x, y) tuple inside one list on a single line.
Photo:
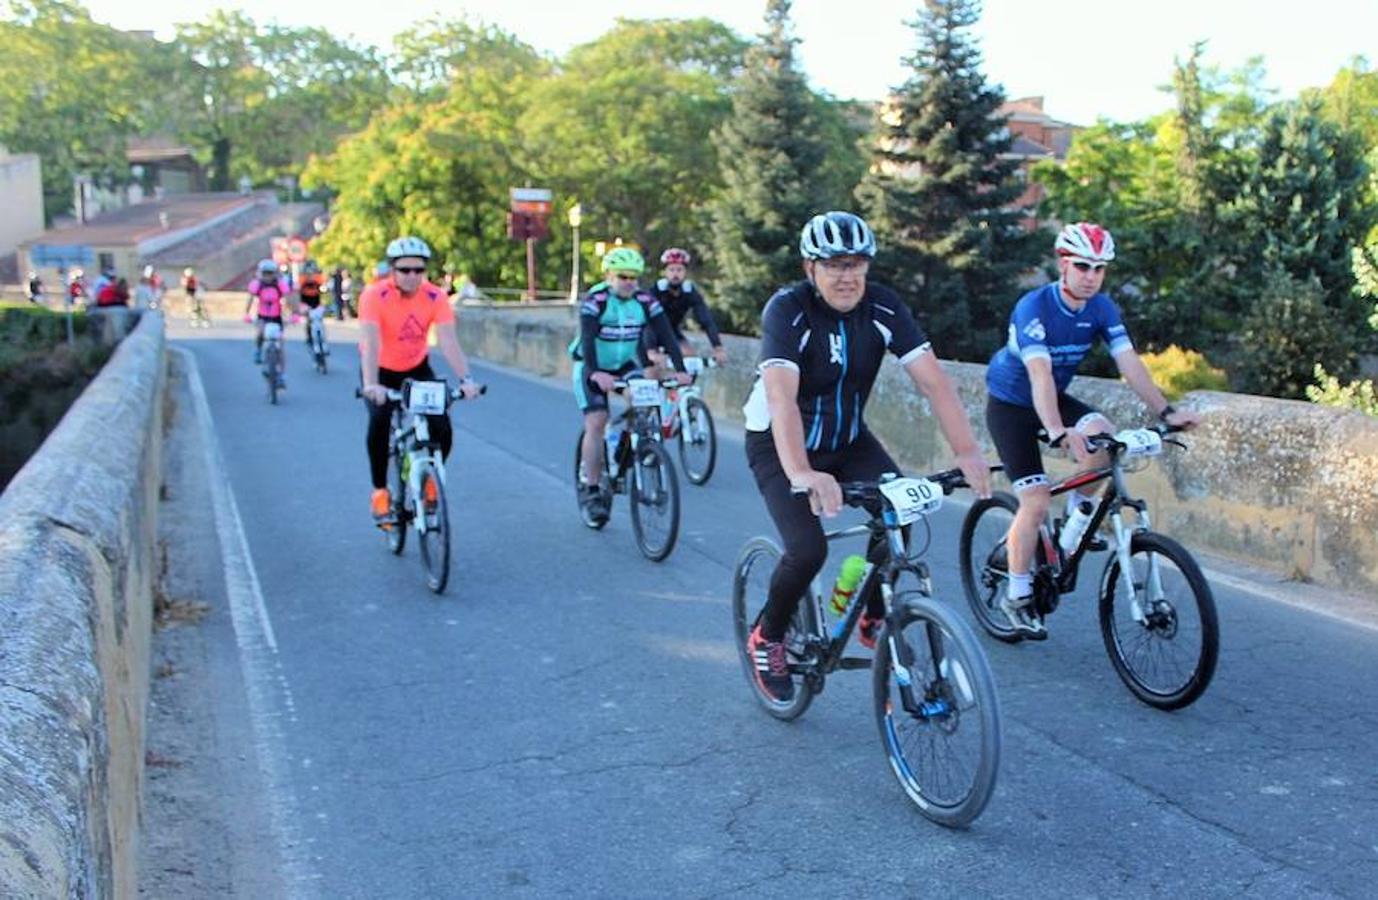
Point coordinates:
[(932, 704), (1153, 582)]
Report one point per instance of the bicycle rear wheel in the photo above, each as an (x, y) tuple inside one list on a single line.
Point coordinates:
[(396, 535), (433, 535), (698, 442), (985, 568), (750, 588), (945, 751), (1165, 642), (654, 493)]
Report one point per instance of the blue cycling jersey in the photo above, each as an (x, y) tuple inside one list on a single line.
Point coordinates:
[(1043, 327)]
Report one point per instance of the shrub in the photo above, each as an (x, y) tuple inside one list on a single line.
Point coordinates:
[(1178, 371), (1288, 330), (1360, 396)]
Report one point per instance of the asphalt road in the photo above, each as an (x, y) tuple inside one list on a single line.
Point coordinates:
[(571, 719)]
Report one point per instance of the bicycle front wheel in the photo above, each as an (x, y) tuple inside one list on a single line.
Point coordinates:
[(1164, 640), (937, 709), (271, 368), (698, 442), (654, 495), (750, 589), (396, 533), (433, 532), (985, 567)]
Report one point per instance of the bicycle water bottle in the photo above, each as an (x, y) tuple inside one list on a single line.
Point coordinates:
[(847, 579), (1075, 527)]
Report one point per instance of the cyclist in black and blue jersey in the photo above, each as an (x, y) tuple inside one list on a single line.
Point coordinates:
[(1051, 330), (612, 317), (679, 296), (822, 343)]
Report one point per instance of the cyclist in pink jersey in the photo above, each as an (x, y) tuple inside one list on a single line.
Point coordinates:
[(270, 295)]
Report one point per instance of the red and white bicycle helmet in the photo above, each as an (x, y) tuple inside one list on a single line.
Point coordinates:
[(1085, 240), (675, 256)]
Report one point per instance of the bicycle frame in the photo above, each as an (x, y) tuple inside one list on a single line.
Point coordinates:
[(828, 648), (411, 439), (1114, 499), (642, 423)]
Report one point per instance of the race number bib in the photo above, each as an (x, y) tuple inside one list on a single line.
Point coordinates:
[(1140, 442), (272, 331), (643, 391), (912, 498), (426, 398), (693, 365)]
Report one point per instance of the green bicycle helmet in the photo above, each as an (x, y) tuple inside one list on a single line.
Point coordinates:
[(623, 259)]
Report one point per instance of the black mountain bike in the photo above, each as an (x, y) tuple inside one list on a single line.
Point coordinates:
[(934, 695), (416, 476), (1157, 615), (638, 465)]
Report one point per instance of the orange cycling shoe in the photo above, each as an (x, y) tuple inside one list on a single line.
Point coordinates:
[(381, 504)]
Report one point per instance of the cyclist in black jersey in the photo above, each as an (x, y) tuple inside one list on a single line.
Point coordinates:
[(822, 343), (679, 296)]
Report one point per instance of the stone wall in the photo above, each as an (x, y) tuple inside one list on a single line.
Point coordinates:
[(1285, 485), (77, 571)]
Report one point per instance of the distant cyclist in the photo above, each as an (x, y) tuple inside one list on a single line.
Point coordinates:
[(310, 290), (33, 289), (613, 315), (679, 296), (823, 340), (1051, 330), (396, 312), (270, 296)]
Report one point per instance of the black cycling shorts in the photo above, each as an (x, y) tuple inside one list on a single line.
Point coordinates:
[(1015, 431)]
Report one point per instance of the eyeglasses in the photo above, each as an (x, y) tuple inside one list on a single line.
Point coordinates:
[(843, 265), (1088, 267), (408, 270)]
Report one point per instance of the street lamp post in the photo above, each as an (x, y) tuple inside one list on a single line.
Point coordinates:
[(576, 216)]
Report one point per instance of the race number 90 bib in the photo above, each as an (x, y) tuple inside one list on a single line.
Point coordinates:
[(912, 498)]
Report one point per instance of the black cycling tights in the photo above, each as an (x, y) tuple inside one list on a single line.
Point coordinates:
[(380, 423), (802, 532)]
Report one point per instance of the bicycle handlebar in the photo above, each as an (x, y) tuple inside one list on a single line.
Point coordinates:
[(863, 493), (396, 396), (1104, 441)]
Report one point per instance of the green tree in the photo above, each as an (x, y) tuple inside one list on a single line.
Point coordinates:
[(623, 123), (1302, 208), (440, 169), (770, 151), (941, 196), (71, 90), (1289, 330), (259, 101)]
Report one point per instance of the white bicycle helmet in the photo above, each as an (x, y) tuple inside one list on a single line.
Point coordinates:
[(1085, 240), (408, 246), (267, 267), (836, 233)]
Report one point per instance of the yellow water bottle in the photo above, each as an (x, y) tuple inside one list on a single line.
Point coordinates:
[(853, 567)]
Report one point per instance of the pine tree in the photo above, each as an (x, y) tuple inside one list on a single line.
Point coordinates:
[(769, 151), (939, 195)]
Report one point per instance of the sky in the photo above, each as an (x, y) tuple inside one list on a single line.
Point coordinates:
[(1108, 63)]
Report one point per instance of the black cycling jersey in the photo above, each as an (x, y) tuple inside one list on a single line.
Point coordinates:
[(836, 355), (678, 301)]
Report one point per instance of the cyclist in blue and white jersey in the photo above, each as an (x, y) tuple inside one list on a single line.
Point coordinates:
[(1051, 330), (612, 317), (822, 342)]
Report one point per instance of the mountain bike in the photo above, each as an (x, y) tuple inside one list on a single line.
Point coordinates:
[(637, 464), (315, 337), (416, 476), (272, 359), (934, 696), (689, 419), (1157, 614)]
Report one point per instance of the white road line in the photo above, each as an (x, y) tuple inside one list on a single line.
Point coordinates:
[(258, 647)]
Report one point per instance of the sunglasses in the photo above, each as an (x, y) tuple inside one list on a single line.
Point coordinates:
[(623, 277), (408, 270), (1088, 267), (839, 266)]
